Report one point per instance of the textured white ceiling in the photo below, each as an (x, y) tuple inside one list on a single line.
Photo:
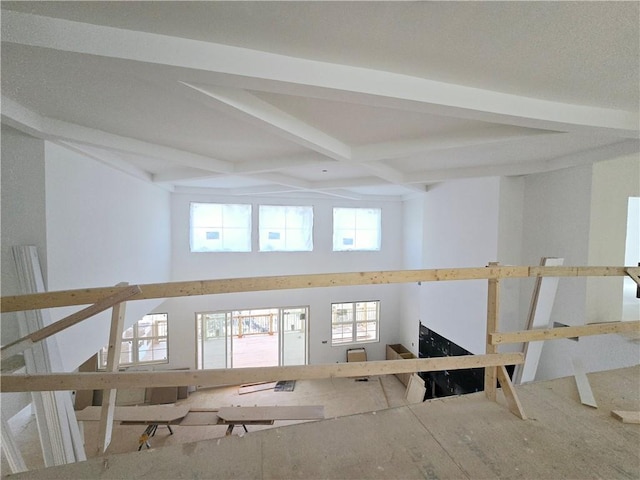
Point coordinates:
[(387, 97)]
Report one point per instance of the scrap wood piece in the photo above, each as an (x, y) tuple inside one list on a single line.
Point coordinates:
[(626, 416), (415, 389), (258, 387), (582, 382)]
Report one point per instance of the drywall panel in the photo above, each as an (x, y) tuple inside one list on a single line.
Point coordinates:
[(460, 230), (103, 227)]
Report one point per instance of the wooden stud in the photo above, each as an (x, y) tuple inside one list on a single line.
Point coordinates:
[(510, 393), (493, 311), (253, 284), (113, 361), (238, 376), (27, 341), (564, 332)]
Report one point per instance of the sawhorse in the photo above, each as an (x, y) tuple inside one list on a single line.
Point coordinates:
[(150, 431)]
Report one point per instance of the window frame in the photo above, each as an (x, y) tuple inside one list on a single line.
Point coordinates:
[(353, 323)]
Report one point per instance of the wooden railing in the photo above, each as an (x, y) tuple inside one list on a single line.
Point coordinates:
[(493, 362)]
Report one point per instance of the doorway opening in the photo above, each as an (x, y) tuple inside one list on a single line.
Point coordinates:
[(252, 338)]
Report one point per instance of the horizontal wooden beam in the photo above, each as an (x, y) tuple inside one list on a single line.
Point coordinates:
[(563, 332), (27, 341), (253, 284), (238, 376)]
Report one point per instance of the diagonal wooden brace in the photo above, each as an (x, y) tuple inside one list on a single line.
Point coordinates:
[(510, 393)]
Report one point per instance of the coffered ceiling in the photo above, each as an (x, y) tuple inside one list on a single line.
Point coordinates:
[(353, 100)]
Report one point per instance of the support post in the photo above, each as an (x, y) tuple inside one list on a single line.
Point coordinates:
[(493, 310), (113, 361)]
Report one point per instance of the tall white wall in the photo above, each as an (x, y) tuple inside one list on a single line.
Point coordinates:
[(413, 232), (103, 227), (461, 220), (191, 266)]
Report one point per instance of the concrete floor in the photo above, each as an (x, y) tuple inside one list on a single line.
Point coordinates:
[(465, 437)]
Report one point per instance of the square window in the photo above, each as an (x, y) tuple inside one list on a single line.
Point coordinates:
[(217, 227), (356, 229), (284, 228)]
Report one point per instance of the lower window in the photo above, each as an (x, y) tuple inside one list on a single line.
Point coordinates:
[(144, 342), (355, 322)]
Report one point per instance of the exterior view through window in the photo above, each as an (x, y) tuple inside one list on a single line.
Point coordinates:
[(355, 322), (143, 343)]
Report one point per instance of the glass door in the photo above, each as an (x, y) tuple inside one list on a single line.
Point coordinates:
[(214, 349), (293, 335)]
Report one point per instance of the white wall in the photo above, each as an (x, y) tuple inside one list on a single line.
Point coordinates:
[(580, 214), (103, 227), (460, 230), (191, 266), (510, 228), (413, 232), (23, 223)]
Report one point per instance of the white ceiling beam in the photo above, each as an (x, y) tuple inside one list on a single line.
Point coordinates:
[(252, 109), (30, 122), (279, 73), (185, 173), (108, 158), (625, 147), (272, 164), (446, 141)]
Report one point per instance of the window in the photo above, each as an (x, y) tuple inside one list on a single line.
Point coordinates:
[(145, 342), (217, 227), (356, 229), (285, 228), (355, 322)]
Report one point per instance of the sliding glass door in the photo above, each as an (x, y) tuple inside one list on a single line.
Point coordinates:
[(251, 338)]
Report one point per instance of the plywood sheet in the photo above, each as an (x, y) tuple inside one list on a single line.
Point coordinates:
[(238, 414)]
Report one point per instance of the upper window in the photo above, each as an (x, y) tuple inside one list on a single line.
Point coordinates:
[(354, 322), (145, 342), (217, 227), (286, 228), (356, 229)]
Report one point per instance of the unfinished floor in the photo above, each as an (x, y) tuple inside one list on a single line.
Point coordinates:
[(456, 437)]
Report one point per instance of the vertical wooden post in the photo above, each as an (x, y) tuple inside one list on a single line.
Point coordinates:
[(113, 361), (493, 311)]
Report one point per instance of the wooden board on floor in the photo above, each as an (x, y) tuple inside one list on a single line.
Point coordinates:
[(237, 414), (153, 413), (626, 417)]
